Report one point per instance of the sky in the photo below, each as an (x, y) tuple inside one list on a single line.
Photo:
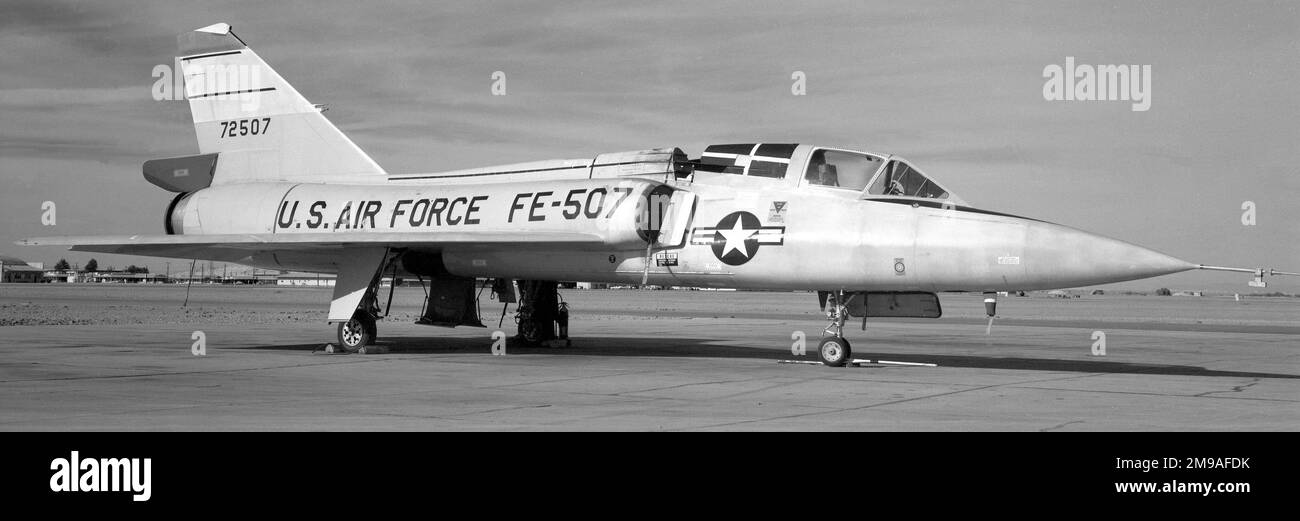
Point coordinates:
[(955, 87)]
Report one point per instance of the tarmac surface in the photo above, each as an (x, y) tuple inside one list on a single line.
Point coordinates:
[(644, 360)]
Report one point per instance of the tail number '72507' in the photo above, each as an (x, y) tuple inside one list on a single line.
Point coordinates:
[(245, 127)]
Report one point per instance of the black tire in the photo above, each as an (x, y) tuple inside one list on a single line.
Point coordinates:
[(834, 351), (528, 331), (357, 332)]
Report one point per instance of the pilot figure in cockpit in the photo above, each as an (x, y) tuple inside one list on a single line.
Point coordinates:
[(821, 173)]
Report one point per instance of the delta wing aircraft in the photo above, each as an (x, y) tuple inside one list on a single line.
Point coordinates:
[(275, 185)]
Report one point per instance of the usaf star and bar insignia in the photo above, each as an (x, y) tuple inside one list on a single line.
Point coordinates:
[(738, 236)]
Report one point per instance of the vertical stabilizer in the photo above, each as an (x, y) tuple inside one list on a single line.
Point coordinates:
[(261, 127)]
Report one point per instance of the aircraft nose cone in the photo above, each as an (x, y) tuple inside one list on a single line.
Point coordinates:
[(1072, 258)]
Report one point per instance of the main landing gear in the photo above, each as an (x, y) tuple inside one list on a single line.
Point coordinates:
[(357, 332), (834, 349), (355, 306), (361, 330), (542, 315)]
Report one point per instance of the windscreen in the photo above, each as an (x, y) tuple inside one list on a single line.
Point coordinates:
[(901, 179)]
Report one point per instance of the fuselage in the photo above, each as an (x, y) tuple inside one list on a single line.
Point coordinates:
[(704, 229)]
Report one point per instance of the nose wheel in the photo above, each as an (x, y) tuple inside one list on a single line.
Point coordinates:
[(835, 351)]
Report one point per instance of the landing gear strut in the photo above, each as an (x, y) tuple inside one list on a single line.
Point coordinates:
[(542, 316), (834, 349)]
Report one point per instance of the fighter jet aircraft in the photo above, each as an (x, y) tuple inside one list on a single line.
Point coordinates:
[(275, 185)]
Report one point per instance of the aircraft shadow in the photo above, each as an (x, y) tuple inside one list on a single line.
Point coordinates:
[(1057, 365), (708, 348), (585, 346)]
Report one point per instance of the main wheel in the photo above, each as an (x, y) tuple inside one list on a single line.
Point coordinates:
[(835, 351), (357, 332), (528, 331)]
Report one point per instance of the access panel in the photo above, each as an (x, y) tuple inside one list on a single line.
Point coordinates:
[(906, 304)]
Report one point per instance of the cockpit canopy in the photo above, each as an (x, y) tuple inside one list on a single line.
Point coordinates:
[(821, 167), (760, 160)]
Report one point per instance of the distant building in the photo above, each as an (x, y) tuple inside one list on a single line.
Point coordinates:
[(305, 280), (122, 277), (13, 269), (62, 276)]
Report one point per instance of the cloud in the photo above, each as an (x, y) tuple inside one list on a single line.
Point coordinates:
[(41, 98)]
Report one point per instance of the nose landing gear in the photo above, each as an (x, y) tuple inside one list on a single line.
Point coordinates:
[(834, 349)]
